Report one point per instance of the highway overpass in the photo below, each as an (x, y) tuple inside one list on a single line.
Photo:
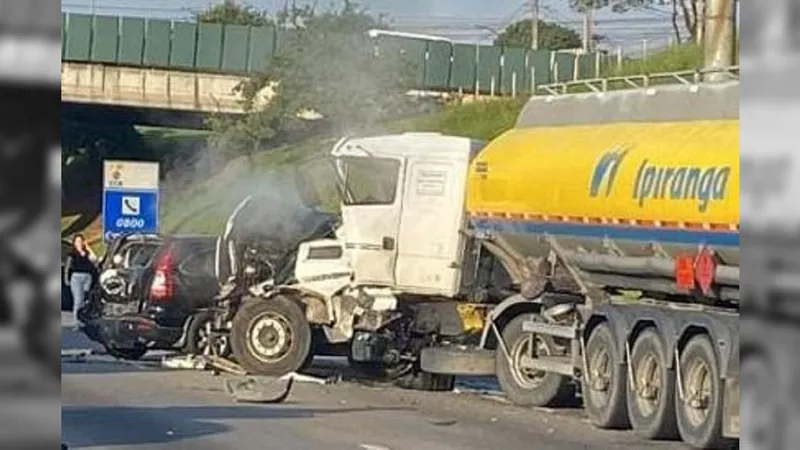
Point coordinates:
[(174, 67)]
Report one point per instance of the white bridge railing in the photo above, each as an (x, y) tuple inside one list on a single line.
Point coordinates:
[(642, 81)]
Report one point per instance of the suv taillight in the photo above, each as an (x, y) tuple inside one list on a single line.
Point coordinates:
[(162, 288)]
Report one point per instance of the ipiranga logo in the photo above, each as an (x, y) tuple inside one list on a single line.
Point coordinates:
[(657, 182), (606, 170)]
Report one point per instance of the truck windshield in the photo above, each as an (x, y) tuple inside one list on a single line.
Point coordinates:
[(368, 180)]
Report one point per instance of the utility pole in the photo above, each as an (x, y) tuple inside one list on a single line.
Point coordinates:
[(587, 28), (700, 21), (534, 24), (719, 36)]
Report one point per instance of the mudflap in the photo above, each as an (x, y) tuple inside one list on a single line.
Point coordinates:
[(730, 421)]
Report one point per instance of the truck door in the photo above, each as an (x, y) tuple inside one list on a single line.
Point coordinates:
[(371, 215), (431, 242)]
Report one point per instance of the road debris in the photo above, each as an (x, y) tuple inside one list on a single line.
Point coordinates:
[(219, 364), (76, 355), (258, 389), (202, 362), (184, 362), (442, 422), (373, 447), (310, 379)]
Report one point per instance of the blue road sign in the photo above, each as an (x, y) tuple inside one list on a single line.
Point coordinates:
[(129, 211)]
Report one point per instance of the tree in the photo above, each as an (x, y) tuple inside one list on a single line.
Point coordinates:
[(326, 63), (552, 36), (233, 13), (685, 13)]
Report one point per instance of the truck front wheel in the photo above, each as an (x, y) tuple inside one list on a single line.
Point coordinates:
[(271, 336), (525, 387)]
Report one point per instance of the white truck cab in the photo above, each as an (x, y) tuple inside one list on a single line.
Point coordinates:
[(402, 211), (399, 246)]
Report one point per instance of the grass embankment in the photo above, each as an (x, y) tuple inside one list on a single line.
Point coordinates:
[(673, 59)]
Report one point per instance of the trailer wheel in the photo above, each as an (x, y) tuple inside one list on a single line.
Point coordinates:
[(604, 394), (700, 412), (528, 387), (650, 397), (271, 337)]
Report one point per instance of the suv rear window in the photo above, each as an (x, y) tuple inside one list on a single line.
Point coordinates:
[(142, 255), (199, 263)]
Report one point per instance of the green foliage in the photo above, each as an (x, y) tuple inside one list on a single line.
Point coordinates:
[(552, 36), (231, 13), (673, 59), (327, 64), (98, 141), (478, 120)]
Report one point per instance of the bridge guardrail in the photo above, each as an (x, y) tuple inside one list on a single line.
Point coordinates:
[(243, 50)]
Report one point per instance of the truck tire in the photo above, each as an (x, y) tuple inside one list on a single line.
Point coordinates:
[(604, 396), (271, 336), (458, 361), (701, 427), (524, 388), (651, 405)]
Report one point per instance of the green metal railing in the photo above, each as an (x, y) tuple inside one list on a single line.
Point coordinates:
[(243, 50)]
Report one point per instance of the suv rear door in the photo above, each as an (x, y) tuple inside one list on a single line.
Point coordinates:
[(192, 274), (197, 278)]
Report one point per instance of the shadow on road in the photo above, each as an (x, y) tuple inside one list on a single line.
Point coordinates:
[(101, 426)]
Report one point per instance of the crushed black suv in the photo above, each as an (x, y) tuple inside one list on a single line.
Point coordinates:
[(151, 294)]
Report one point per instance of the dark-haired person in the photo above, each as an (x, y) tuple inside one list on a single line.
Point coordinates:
[(79, 270)]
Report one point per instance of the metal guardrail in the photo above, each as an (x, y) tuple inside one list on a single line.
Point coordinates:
[(641, 81)]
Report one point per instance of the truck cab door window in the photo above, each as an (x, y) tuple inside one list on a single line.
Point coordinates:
[(370, 181), (371, 215)]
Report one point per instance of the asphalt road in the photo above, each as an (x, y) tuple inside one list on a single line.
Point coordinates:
[(108, 404)]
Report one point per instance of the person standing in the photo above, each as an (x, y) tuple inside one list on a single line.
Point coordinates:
[(79, 272)]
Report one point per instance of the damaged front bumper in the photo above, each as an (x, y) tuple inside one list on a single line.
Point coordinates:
[(132, 331)]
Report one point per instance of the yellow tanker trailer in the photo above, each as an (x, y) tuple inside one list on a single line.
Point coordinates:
[(616, 220), (628, 204)]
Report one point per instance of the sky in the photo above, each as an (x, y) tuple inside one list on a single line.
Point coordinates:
[(460, 20)]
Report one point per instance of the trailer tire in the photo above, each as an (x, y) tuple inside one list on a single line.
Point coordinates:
[(697, 429), (271, 336), (650, 358), (525, 389), (604, 399)]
